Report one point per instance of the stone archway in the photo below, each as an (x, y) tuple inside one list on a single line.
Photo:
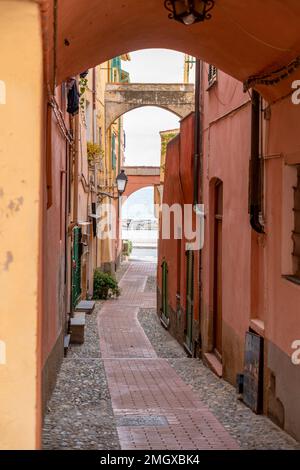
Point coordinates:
[(121, 98)]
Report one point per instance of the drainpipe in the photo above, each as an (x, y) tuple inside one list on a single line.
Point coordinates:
[(198, 172), (255, 180), (197, 136), (75, 125)]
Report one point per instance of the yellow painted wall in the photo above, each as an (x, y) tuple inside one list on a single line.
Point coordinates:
[(20, 172)]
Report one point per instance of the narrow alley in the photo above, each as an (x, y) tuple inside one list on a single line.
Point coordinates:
[(133, 387), (149, 229)]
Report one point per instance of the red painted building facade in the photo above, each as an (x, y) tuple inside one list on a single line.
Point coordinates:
[(249, 281)]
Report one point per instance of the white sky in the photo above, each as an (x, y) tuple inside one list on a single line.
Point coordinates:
[(142, 125)]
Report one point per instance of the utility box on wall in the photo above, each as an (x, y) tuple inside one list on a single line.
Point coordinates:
[(253, 372)]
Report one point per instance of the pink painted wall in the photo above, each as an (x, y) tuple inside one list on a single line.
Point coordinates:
[(178, 188), (54, 243), (283, 297), (253, 286), (226, 140)]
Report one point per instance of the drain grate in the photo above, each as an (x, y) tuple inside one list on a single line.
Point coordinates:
[(137, 420)]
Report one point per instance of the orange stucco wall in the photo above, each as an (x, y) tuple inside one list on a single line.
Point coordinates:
[(21, 76), (240, 39), (178, 189)]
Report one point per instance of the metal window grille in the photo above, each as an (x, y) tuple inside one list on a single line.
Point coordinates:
[(212, 74)]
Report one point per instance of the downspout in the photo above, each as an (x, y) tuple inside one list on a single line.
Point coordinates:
[(198, 173), (95, 128), (255, 173), (75, 126), (197, 137)]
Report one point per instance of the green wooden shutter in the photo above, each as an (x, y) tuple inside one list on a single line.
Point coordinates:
[(164, 293)]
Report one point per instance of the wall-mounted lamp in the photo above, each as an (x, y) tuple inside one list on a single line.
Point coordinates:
[(189, 11), (121, 181)]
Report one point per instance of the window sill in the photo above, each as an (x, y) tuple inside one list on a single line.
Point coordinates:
[(291, 278)]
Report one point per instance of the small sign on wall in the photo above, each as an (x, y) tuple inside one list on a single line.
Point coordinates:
[(2, 353), (253, 372), (2, 92)]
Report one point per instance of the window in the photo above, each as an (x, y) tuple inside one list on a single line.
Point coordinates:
[(290, 255), (212, 75), (115, 69), (296, 231), (88, 120), (113, 151)]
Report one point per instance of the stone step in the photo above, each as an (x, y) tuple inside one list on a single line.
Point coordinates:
[(86, 306), (77, 325)]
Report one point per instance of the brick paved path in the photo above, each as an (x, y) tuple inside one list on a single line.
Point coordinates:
[(154, 408)]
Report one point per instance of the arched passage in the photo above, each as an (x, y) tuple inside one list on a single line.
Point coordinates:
[(139, 221), (140, 177), (240, 39)]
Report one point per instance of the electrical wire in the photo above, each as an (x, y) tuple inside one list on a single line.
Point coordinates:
[(252, 36), (60, 119)]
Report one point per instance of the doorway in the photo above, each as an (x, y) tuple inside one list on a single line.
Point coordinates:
[(189, 300), (217, 295)]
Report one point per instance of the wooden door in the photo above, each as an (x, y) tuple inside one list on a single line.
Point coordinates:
[(164, 292), (218, 217), (189, 299)]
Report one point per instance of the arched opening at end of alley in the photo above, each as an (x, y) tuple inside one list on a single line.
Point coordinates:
[(150, 220)]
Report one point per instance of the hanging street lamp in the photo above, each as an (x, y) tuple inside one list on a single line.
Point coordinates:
[(189, 11)]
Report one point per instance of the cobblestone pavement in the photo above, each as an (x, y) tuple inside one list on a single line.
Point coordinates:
[(139, 389), (79, 414)]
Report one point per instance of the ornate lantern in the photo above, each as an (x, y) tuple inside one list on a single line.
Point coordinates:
[(189, 11), (121, 182)]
